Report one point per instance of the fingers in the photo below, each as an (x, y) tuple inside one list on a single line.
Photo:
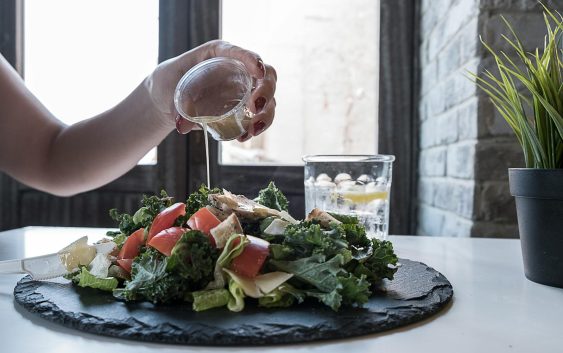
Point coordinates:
[(261, 121), (251, 60), (264, 91), (184, 126)]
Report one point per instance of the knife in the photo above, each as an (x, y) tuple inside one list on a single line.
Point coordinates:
[(47, 266)]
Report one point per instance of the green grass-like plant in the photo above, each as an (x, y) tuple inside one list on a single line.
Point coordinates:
[(541, 76)]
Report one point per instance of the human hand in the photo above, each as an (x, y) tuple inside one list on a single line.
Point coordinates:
[(162, 83)]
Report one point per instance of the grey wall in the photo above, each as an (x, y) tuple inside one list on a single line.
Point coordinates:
[(465, 146)]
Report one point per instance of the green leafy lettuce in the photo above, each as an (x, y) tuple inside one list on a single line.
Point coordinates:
[(272, 197), (278, 298), (208, 299), (233, 248), (236, 302), (83, 278)]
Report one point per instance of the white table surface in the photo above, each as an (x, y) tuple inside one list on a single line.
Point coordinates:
[(494, 308)]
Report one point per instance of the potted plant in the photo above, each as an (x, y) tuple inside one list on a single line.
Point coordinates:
[(528, 92)]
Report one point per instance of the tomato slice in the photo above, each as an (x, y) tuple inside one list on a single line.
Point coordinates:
[(166, 218), (250, 261), (125, 264), (132, 245), (203, 220), (165, 240)]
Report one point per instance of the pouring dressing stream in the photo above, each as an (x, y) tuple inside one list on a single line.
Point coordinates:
[(214, 94)]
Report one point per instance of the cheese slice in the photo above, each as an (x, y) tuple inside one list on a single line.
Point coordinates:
[(100, 265), (247, 284), (260, 285), (286, 216), (272, 280), (79, 253), (277, 227)]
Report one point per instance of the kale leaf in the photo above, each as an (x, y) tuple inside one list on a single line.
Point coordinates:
[(272, 197), (354, 290), (150, 207), (333, 299), (307, 238), (346, 219), (150, 280), (193, 258), (199, 199), (315, 270), (377, 263), (355, 234)]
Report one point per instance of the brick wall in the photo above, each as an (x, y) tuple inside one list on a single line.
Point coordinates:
[(465, 146)]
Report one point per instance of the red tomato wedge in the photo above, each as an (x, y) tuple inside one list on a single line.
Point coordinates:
[(165, 240), (203, 220), (132, 245), (125, 264), (166, 218), (250, 261)]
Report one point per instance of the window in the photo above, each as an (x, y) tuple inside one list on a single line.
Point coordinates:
[(83, 57), (326, 55)]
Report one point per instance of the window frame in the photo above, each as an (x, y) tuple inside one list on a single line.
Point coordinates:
[(196, 22), (180, 169), (398, 106)]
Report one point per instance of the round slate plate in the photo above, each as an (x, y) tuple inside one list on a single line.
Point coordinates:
[(416, 293)]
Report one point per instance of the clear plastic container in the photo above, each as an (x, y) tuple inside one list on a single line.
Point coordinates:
[(215, 92)]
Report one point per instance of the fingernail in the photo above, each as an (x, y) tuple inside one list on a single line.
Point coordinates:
[(261, 67), (243, 137), (259, 127), (259, 103), (178, 121)]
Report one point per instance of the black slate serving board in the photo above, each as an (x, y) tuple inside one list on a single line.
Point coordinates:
[(416, 293)]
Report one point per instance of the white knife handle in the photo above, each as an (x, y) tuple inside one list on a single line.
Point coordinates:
[(11, 266)]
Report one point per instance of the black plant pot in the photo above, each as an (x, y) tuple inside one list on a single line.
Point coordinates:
[(539, 206)]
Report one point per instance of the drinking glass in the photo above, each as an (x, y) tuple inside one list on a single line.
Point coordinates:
[(214, 94), (354, 185)]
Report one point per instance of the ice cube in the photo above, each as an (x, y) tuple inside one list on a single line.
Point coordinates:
[(310, 181), (325, 184), (323, 177), (364, 179), (375, 187), (349, 185), (342, 177), (381, 181)]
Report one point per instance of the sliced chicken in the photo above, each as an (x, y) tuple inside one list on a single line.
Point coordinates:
[(241, 206), (323, 217), (225, 229), (220, 214)]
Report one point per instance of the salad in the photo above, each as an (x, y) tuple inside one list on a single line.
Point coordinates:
[(219, 249)]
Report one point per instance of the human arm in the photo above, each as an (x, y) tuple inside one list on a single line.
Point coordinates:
[(42, 152)]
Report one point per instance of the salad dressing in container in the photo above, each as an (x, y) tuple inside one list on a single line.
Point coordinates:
[(215, 93)]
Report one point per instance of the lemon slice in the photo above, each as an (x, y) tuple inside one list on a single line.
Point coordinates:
[(365, 197)]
